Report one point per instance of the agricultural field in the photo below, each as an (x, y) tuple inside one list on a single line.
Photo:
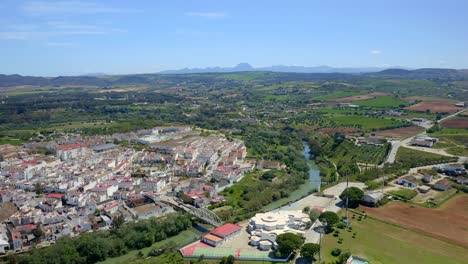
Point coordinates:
[(428, 99), (338, 94), (367, 122), (447, 223), (401, 132), (361, 97), (453, 144), (456, 122), (416, 158), (435, 107), (381, 243), (371, 154), (382, 102)]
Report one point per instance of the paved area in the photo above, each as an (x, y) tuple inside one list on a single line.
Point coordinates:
[(396, 144)]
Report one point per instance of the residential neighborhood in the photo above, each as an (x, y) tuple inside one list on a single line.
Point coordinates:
[(75, 184)]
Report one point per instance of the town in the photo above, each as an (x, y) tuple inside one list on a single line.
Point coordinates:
[(75, 184)]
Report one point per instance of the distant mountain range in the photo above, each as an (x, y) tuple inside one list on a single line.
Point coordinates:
[(273, 74), (243, 67)]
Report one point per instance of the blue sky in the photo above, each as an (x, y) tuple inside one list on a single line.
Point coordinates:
[(74, 37)]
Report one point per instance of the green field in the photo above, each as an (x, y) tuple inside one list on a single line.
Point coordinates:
[(366, 122), (416, 158), (383, 243), (339, 94), (383, 101), (405, 194), (183, 238)]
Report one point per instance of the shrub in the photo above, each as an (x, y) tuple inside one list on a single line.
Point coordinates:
[(341, 225), (336, 252)]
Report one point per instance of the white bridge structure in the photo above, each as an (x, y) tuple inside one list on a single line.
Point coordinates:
[(201, 213)]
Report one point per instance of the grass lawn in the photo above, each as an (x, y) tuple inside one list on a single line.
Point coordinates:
[(183, 238), (406, 194), (339, 94), (11, 141), (458, 151), (380, 242), (415, 158), (383, 101), (366, 122)]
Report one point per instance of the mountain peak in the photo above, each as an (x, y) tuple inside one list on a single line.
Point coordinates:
[(244, 66)]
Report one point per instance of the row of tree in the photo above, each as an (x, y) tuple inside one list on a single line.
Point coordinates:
[(98, 246)]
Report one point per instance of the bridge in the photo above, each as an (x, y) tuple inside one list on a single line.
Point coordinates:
[(201, 213)]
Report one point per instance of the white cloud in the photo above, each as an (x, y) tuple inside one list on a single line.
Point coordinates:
[(206, 14), (60, 44), (69, 7), (53, 28), (62, 25), (25, 35), (375, 52)]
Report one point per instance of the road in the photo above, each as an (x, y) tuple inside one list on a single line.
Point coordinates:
[(311, 235), (396, 144)]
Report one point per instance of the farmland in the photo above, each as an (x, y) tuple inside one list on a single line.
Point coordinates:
[(382, 101), (446, 223), (367, 122), (456, 122), (415, 158), (435, 107), (401, 132), (381, 242), (353, 98)]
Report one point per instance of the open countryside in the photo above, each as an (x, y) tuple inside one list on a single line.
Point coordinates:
[(205, 132), (430, 221)]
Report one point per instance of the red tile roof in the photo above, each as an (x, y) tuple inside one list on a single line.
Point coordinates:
[(226, 230), (55, 195)]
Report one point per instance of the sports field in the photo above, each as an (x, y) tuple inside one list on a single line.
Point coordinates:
[(383, 243), (198, 249), (448, 223)]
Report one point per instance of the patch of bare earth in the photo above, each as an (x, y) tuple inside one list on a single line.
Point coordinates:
[(448, 223)]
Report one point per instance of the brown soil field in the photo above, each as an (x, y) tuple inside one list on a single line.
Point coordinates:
[(401, 132), (435, 107), (428, 99), (125, 89), (358, 97), (448, 223), (6, 210), (456, 122)]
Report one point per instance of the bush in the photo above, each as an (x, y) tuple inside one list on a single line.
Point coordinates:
[(314, 214), (336, 252)]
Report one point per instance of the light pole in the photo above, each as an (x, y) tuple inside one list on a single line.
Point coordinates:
[(321, 231), (347, 197)]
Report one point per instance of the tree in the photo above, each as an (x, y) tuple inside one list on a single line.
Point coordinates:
[(329, 218), (37, 233), (354, 196), (289, 242), (38, 188), (314, 214), (118, 221), (308, 250), (227, 260)]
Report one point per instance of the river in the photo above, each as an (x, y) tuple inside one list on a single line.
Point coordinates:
[(313, 183)]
